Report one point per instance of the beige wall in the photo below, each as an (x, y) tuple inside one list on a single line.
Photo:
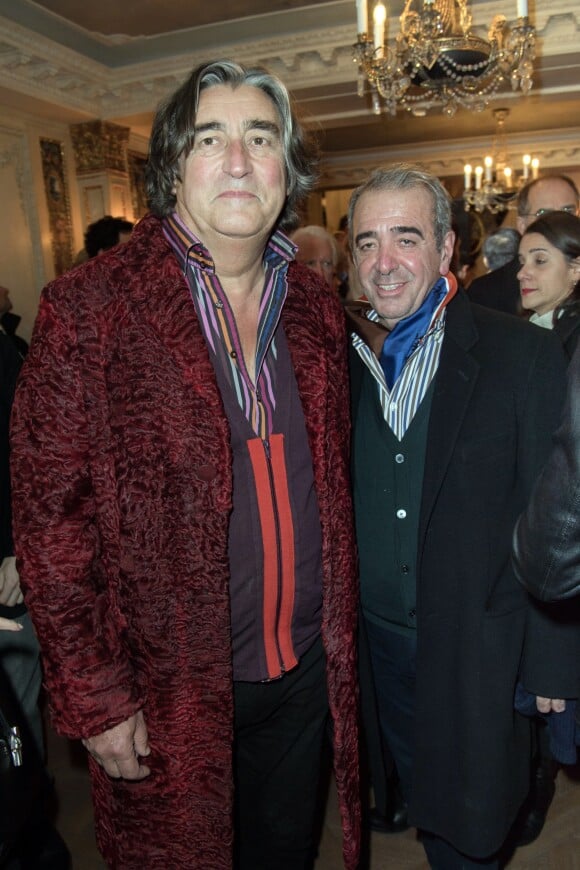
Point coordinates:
[(26, 263)]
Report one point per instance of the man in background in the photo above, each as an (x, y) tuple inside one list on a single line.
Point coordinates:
[(38, 845), (318, 250), (9, 322), (102, 235), (500, 289), (106, 233)]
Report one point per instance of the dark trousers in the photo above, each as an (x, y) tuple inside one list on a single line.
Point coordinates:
[(393, 660), (280, 728)]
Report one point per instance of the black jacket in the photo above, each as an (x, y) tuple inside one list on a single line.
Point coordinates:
[(496, 401), (547, 537), (499, 289)]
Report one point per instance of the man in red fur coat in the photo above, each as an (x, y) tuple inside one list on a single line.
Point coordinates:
[(182, 510)]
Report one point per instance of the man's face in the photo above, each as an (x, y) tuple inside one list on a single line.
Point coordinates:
[(395, 252), (5, 301), (317, 254), (233, 181), (551, 194)]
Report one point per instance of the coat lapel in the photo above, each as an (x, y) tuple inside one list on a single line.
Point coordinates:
[(166, 308), (305, 330), (454, 384)]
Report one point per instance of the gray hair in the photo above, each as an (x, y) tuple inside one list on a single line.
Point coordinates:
[(500, 247), (173, 134), (318, 233), (404, 176)]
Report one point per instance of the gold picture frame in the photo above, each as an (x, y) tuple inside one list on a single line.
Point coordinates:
[(58, 204)]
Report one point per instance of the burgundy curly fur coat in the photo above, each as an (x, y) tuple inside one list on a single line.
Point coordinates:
[(122, 471)]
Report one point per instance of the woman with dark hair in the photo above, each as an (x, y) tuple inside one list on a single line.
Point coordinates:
[(549, 275)]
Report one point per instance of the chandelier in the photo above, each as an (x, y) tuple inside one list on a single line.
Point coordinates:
[(494, 186), (436, 61)]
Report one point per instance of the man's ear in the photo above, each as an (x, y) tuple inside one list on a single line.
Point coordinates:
[(447, 252)]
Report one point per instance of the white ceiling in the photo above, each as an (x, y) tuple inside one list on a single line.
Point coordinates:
[(117, 60)]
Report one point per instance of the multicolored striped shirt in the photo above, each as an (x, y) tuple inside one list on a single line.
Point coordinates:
[(275, 539), (257, 401)]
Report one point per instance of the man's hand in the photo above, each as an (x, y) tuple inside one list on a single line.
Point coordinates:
[(118, 750), (550, 705), (9, 624), (10, 592)]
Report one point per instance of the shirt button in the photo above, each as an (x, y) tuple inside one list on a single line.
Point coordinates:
[(393, 407), (399, 458), (412, 613), (233, 354), (401, 514), (404, 569)]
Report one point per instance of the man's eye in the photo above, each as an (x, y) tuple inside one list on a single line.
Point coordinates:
[(205, 142), (260, 141)]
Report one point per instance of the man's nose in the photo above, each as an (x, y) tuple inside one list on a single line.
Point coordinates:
[(236, 158), (386, 261)]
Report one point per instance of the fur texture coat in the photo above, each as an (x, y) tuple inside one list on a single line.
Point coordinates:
[(122, 495)]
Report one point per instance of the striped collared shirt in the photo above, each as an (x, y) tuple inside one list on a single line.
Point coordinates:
[(257, 401), (400, 404)]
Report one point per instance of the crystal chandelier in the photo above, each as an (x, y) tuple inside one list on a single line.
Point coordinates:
[(494, 186), (436, 61)]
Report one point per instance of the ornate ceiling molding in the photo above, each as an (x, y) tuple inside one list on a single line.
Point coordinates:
[(39, 67)]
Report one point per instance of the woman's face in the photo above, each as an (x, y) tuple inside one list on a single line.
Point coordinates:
[(546, 276)]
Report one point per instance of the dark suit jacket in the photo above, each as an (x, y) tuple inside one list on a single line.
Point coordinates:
[(497, 398), (499, 289)]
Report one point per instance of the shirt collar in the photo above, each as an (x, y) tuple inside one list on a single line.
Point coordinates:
[(366, 322), (190, 250)]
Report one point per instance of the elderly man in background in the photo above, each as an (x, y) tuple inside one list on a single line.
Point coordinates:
[(318, 250), (182, 506)]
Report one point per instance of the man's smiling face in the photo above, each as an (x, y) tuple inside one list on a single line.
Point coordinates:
[(395, 251)]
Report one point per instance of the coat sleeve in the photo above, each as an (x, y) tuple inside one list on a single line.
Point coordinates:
[(66, 524), (547, 537), (549, 663)]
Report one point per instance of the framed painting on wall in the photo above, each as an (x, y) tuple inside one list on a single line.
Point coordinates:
[(58, 204), (136, 163)]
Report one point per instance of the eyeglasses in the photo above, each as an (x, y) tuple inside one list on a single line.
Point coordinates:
[(569, 209)]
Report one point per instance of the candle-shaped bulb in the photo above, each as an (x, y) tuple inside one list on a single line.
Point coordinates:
[(488, 162), (522, 8), (379, 18), (526, 160), (362, 16), (508, 176), (467, 170), (535, 167), (478, 176)]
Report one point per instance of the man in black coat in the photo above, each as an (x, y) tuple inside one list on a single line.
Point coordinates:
[(500, 289), (453, 410)]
